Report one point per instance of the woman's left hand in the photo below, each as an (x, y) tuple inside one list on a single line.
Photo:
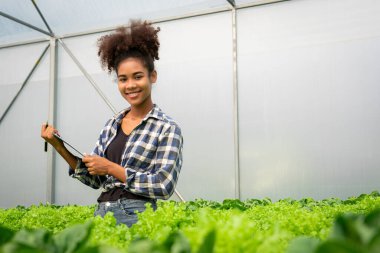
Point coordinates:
[(97, 165)]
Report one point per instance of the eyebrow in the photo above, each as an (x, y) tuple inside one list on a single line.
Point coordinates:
[(138, 72)]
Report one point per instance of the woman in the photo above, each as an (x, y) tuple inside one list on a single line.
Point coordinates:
[(138, 156)]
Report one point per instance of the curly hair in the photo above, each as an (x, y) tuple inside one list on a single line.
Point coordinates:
[(138, 40)]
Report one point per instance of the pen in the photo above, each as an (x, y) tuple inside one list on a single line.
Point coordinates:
[(46, 144)]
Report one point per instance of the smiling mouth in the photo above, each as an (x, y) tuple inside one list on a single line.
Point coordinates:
[(132, 94)]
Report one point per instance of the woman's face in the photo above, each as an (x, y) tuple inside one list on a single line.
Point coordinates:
[(135, 82)]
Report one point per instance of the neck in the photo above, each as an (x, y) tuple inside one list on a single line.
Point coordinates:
[(141, 111)]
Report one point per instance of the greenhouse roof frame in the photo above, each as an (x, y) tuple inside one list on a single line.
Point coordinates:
[(53, 38), (231, 5)]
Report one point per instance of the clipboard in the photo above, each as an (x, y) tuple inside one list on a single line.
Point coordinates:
[(60, 138)]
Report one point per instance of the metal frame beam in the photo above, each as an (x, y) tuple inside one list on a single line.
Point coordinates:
[(154, 21), (260, 3), (232, 3), (87, 75), (25, 24), (184, 16), (42, 17), (27, 42), (161, 20)]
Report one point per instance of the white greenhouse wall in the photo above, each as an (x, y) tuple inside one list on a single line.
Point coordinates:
[(23, 162), (308, 99)]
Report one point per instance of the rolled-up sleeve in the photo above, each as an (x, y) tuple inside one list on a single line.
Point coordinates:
[(81, 173), (160, 182)]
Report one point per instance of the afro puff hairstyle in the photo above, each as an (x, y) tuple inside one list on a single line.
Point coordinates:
[(138, 40)]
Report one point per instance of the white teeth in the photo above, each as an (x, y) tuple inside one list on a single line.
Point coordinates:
[(132, 94)]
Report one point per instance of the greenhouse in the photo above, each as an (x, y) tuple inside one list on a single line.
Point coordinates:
[(278, 104)]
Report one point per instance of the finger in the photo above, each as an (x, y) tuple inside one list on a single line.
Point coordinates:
[(43, 127), (91, 171), (86, 159), (50, 132), (44, 130), (89, 165)]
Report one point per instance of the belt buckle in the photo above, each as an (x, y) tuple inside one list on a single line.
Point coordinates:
[(108, 204)]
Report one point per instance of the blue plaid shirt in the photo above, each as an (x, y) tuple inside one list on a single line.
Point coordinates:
[(152, 157)]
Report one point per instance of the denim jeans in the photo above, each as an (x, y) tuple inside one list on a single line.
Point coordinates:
[(124, 209)]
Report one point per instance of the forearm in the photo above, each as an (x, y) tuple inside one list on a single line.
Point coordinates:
[(69, 157), (117, 171)]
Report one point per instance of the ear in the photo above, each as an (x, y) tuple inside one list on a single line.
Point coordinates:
[(153, 76)]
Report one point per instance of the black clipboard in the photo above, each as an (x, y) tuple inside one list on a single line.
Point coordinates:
[(60, 138)]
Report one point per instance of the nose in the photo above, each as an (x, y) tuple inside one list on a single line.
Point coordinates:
[(129, 84)]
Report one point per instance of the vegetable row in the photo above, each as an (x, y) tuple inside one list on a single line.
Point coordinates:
[(306, 225)]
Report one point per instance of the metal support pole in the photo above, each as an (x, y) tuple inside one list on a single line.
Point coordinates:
[(24, 83), (52, 120), (25, 24), (179, 195), (235, 100)]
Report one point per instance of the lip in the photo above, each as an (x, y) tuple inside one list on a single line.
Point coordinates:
[(133, 94)]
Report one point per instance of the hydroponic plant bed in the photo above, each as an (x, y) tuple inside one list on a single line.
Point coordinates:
[(256, 225)]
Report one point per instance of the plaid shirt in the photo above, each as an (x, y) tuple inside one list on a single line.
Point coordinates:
[(152, 157)]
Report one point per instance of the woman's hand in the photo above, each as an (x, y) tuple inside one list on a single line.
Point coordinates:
[(97, 165), (47, 133)]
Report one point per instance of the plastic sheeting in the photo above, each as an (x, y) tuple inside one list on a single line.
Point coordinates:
[(308, 95), (65, 17)]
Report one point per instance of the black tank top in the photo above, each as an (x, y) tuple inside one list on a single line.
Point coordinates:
[(116, 147), (114, 153)]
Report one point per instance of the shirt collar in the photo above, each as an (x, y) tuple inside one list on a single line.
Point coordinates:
[(156, 112)]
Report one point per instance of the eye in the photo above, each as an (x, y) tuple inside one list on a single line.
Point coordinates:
[(122, 79), (138, 77)]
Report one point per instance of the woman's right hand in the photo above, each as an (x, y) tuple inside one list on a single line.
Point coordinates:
[(47, 133)]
